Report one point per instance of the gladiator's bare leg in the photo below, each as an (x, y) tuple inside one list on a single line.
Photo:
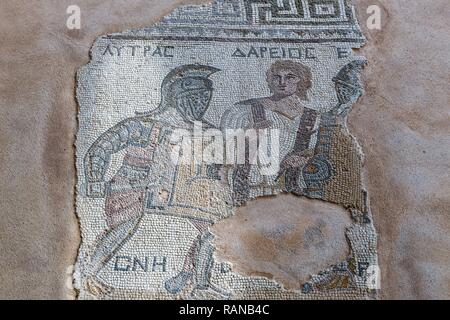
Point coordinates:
[(198, 264), (203, 265), (107, 247), (204, 261), (176, 284)]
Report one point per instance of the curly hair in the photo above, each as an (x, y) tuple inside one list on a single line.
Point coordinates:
[(300, 70)]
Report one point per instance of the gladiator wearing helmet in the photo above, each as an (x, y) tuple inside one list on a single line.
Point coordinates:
[(336, 161), (318, 154), (149, 182)]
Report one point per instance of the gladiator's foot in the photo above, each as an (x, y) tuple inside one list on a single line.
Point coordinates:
[(176, 284), (97, 288), (210, 292)]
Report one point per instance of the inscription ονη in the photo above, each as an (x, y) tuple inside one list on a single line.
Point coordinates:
[(146, 264)]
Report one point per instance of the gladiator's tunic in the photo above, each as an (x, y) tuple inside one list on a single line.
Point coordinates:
[(149, 180), (295, 126)]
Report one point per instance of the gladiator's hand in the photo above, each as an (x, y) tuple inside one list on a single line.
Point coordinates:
[(295, 160), (95, 189)]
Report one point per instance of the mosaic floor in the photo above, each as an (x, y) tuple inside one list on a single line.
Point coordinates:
[(188, 124)]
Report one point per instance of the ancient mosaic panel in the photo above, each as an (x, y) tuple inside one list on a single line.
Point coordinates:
[(166, 169)]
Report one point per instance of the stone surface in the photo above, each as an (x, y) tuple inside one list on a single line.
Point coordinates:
[(285, 238), (401, 123)]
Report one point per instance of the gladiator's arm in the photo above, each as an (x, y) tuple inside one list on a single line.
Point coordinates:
[(237, 173), (96, 162)]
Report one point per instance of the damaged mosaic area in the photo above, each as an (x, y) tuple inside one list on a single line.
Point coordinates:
[(150, 225)]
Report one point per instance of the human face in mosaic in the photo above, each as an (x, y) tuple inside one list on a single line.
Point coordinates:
[(283, 83)]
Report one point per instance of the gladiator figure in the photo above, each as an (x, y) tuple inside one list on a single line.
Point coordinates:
[(285, 110), (149, 182), (333, 173)]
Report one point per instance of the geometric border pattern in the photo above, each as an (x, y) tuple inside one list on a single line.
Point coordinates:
[(259, 20)]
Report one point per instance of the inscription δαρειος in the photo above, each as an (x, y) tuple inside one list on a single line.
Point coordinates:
[(275, 53), (296, 53)]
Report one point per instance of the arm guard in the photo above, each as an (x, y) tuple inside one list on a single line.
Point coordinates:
[(126, 133)]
